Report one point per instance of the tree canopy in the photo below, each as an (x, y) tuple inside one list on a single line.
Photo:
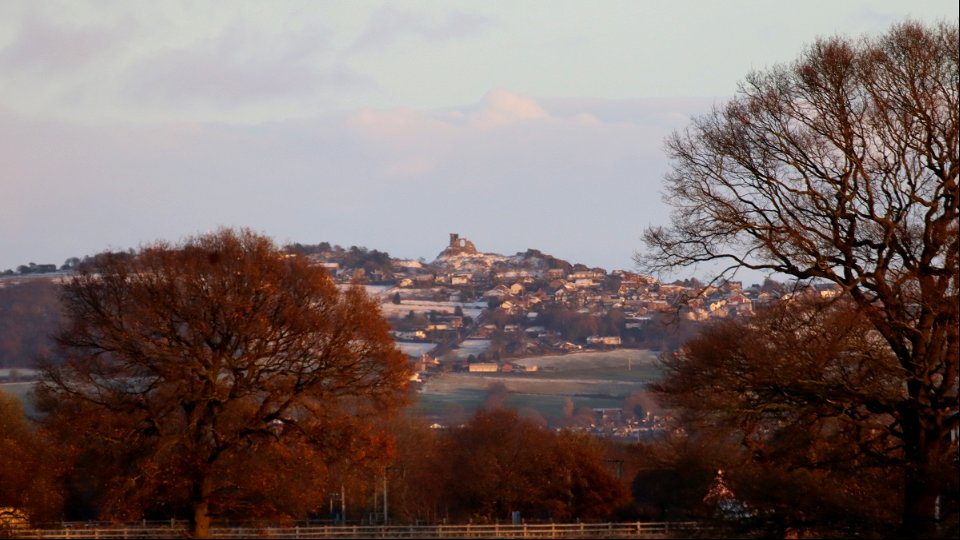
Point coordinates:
[(203, 376), (505, 463), (842, 167), (797, 397), (30, 468)]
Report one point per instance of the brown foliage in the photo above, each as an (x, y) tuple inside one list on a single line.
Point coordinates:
[(795, 404), (220, 376), (30, 468), (501, 463), (419, 473), (843, 167)]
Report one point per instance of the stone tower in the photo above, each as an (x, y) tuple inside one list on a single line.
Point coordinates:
[(459, 246)]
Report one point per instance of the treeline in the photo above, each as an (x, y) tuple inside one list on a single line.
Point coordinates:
[(354, 257), (495, 464), (34, 268)]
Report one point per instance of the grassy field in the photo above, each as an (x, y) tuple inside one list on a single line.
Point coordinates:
[(591, 379), (594, 379)]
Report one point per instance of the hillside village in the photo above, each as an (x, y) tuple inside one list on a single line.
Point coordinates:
[(468, 310), (474, 311), (481, 313)]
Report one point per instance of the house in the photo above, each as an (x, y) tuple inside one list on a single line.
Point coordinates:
[(416, 335), (696, 314), (454, 321), (407, 263), (555, 273), (587, 274), (605, 341), (605, 415), (460, 279), (584, 282), (739, 304), (423, 279), (497, 292), (483, 367)]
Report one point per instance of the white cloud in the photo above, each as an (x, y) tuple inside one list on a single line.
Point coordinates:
[(43, 46), (240, 67), (501, 108), (388, 25)]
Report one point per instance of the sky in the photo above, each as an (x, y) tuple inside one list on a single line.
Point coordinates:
[(388, 125)]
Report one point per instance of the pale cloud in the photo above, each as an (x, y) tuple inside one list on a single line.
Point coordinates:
[(242, 67), (44, 47), (387, 25), (208, 78), (500, 108), (391, 179)]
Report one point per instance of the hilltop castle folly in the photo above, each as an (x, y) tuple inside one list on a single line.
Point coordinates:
[(459, 246)]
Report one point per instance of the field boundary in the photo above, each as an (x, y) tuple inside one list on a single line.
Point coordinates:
[(539, 530)]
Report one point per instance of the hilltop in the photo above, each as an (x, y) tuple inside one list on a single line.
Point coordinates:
[(526, 303)]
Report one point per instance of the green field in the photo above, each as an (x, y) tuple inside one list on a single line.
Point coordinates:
[(593, 380)]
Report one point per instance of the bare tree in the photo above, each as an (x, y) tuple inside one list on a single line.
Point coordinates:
[(796, 397), (216, 376), (842, 167)]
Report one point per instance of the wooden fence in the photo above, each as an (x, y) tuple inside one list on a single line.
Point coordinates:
[(539, 530)]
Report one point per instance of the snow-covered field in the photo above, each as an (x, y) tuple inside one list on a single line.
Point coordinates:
[(19, 372), (415, 348), (619, 358), (471, 346), (389, 309)]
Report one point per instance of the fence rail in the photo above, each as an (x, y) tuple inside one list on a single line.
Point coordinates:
[(539, 530)]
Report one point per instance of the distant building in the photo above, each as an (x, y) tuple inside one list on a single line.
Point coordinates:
[(484, 367), (459, 246), (611, 341)]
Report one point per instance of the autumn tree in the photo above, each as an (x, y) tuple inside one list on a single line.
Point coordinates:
[(30, 468), (419, 473), (504, 463), (842, 167), (217, 376)]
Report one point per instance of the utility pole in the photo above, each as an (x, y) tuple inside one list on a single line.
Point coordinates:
[(385, 518)]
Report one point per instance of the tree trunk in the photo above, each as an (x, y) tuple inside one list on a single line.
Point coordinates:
[(200, 524), (923, 479)]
